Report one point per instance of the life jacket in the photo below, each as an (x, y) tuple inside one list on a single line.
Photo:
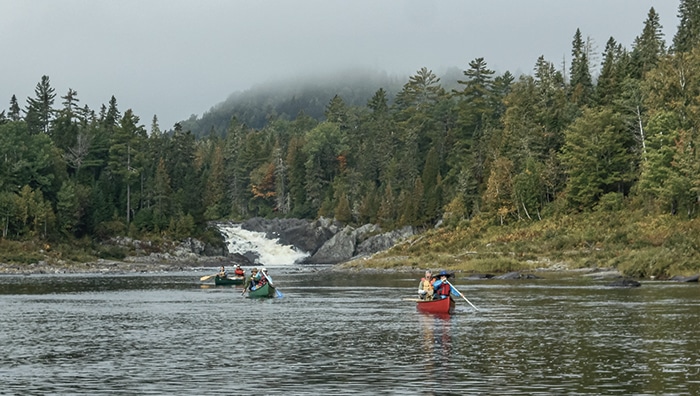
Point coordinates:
[(252, 283), (239, 272), (426, 285), (444, 289)]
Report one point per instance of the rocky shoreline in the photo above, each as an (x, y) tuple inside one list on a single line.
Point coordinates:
[(144, 264)]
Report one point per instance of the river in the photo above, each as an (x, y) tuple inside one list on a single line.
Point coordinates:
[(344, 334)]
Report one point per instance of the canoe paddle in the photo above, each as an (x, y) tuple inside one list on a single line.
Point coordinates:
[(277, 292), (207, 277), (462, 295)]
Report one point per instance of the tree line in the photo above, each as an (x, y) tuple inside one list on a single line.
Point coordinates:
[(505, 148)]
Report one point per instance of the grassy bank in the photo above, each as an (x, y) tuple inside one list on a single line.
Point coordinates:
[(635, 244)]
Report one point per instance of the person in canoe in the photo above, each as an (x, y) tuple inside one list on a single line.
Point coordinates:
[(442, 287), (425, 287), (223, 272), (239, 272), (265, 277), (252, 282), (262, 279)]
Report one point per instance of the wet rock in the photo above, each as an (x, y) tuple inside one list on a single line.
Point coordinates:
[(678, 278), (509, 276), (624, 282), (479, 276)]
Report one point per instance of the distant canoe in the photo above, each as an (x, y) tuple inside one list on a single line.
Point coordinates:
[(228, 281), (264, 291), (441, 306)]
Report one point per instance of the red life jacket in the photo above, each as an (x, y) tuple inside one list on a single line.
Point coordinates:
[(444, 289), (239, 272)]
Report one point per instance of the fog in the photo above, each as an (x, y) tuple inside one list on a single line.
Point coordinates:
[(177, 58)]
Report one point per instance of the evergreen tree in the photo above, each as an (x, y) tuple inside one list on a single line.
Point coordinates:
[(430, 182), (126, 143), (649, 46), (162, 196), (598, 158), (418, 127), (611, 73), (214, 191), (688, 35), (14, 113), (68, 208), (581, 82), (40, 108), (475, 113), (296, 171), (66, 129)]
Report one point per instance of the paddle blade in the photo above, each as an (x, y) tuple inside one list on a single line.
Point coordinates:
[(279, 294), (206, 277)]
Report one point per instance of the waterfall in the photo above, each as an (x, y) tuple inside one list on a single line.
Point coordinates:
[(255, 245)]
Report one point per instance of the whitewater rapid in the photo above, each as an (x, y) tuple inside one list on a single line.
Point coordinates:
[(269, 251)]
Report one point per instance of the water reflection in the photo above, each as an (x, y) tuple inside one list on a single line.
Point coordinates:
[(333, 334), (436, 344)]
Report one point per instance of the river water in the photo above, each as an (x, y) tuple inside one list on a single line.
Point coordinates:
[(339, 334)]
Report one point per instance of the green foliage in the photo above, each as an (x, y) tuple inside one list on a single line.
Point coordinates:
[(111, 252), (598, 157), (503, 163)]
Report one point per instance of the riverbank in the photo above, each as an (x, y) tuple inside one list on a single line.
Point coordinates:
[(145, 264)]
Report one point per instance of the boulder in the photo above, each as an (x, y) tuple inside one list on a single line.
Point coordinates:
[(341, 247), (679, 278), (379, 242), (306, 236), (624, 282), (509, 276)]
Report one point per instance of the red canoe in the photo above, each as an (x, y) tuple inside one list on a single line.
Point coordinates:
[(442, 306)]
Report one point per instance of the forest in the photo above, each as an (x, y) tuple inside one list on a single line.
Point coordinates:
[(491, 151)]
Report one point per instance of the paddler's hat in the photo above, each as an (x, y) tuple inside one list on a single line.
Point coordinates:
[(444, 273)]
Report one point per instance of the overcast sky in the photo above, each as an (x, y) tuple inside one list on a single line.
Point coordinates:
[(174, 58)]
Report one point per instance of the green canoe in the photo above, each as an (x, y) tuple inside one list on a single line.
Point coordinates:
[(228, 281), (265, 291)]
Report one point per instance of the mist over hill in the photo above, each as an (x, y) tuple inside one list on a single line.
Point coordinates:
[(310, 95)]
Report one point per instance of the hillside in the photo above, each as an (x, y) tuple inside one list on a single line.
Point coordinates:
[(309, 95)]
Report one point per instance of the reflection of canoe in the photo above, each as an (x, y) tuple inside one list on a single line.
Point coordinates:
[(264, 291), (442, 306), (228, 281)]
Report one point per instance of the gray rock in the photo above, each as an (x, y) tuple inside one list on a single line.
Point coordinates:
[(377, 243), (624, 282), (679, 278), (509, 276), (341, 247), (304, 235)]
